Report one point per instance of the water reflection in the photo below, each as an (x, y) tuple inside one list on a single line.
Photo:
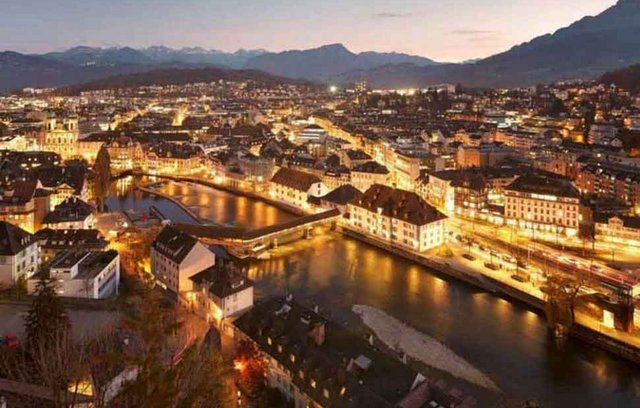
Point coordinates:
[(508, 342)]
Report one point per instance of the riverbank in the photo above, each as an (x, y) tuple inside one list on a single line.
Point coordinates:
[(581, 330), (255, 196), (476, 277)]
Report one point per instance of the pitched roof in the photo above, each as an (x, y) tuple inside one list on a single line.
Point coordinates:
[(223, 281), (340, 368), (13, 239), (400, 204), (371, 167), (343, 194), (532, 183), (70, 238), (174, 244), (298, 180), (70, 210)]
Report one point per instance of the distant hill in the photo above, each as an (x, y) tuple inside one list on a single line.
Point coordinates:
[(626, 78), (178, 76), (583, 50), (327, 61), (87, 56), (19, 70)]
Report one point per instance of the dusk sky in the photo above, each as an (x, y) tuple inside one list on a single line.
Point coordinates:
[(444, 30)]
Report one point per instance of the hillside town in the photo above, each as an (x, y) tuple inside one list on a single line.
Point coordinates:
[(530, 194)]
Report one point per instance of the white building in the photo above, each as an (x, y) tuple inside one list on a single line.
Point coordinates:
[(84, 274), (399, 217), (312, 134), (543, 203), (294, 187), (176, 256), (222, 292), (19, 258)]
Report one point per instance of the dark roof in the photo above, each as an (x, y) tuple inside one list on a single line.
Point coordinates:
[(466, 178), (70, 238), (13, 239), (355, 154), (343, 194), (223, 280), (70, 210), (371, 167), (532, 183), (400, 204), (212, 231), (339, 359), (298, 180), (174, 244)]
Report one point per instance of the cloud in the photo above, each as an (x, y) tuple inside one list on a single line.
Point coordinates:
[(474, 32), (388, 14)]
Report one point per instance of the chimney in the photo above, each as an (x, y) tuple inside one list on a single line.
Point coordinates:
[(317, 333)]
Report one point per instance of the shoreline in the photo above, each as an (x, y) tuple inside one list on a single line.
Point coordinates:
[(480, 281)]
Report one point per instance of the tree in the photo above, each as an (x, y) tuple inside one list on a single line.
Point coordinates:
[(562, 291), (174, 369), (47, 319), (102, 180), (49, 359)]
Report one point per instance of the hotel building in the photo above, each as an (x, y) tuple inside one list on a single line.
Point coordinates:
[(543, 203), (400, 217)]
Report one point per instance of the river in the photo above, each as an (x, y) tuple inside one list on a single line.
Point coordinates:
[(505, 340)]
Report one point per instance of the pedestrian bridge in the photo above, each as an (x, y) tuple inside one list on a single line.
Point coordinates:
[(244, 242)]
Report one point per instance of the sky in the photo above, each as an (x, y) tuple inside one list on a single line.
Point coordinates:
[(444, 30)]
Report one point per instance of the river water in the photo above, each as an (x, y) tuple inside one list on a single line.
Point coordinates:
[(505, 340)]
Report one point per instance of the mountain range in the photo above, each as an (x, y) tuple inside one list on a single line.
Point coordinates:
[(583, 50)]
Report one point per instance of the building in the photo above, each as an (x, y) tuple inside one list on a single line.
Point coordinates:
[(18, 204), (312, 134), (315, 362), (19, 258), (399, 217), (221, 292), (463, 192), (61, 137), (175, 257), (367, 174), (544, 203), (612, 180), (84, 274), (174, 159), (53, 241), (294, 187), (89, 146), (484, 155), (125, 154), (73, 213), (340, 197), (619, 229)]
